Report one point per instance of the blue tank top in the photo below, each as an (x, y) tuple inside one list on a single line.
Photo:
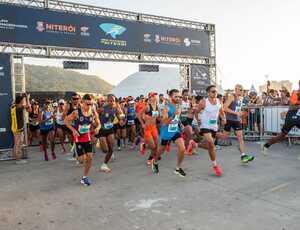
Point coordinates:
[(235, 106), (131, 115), (167, 131), (47, 124), (107, 117)]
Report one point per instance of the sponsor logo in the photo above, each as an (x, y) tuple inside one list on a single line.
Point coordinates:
[(147, 38), (1, 69), (113, 30), (55, 28), (170, 40), (2, 130), (191, 42), (187, 42), (5, 24), (84, 31)]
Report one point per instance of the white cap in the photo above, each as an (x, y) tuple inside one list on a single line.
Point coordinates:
[(55, 104), (61, 101)]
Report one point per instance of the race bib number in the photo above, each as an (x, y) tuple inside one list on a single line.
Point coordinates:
[(173, 127), (238, 109), (212, 122), (130, 122), (108, 125), (49, 122), (84, 129), (154, 113)]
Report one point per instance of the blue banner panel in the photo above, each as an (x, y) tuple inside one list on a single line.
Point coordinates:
[(6, 137), (52, 28)]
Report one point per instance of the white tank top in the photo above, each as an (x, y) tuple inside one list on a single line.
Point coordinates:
[(210, 115), (185, 106), (59, 118)]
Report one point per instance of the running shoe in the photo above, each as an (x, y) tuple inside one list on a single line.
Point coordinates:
[(217, 170), (113, 157), (86, 181), (155, 169), (142, 148), (104, 168), (133, 147), (265, 150), (149, 162), (247, 158), (180, 172), (119, 148), (53, 156)]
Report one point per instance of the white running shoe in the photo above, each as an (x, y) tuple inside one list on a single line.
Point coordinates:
[(104, 168), (113, 157)]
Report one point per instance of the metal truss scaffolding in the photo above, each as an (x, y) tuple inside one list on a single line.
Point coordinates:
[(94, 54)]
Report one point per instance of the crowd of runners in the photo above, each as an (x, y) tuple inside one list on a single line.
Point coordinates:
[(148, 124)]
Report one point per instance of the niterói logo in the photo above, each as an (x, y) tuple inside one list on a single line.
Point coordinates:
[(113, 30)]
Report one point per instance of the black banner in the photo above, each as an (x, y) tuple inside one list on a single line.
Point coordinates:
[(52, 28), (6, 137), (200, 79)]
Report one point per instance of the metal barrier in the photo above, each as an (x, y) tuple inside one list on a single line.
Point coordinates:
[(263, 122)]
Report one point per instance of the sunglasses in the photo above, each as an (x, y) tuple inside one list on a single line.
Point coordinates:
[(61, 103), (213, 91), (75, 98)]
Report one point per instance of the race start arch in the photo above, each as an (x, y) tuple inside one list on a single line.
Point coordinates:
[(58, 29)]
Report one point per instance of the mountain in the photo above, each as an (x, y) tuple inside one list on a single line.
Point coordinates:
[(144, 82), (46, 78)]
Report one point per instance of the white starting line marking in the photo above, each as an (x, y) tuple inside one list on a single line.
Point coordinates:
[(276, 188)]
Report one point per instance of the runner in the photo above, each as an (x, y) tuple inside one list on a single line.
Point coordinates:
[(83, 119), (140, 105), (170, 131), (107, 114), (211, 109), (148, 119), (121, 126), (34, 127), (292, 120), (46, 120), (60, 127), (72, 106), (131, 122), (233, 109), (186, 117)]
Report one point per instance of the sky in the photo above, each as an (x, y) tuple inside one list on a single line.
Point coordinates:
[(254, 38)]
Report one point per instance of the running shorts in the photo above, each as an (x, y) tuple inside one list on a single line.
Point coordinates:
[(83, 148), (235, 125), (151, 131)]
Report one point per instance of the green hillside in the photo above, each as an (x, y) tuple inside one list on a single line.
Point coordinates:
[(46, 78)]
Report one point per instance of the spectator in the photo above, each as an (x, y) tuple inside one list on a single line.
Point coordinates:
[(17, 126), (284, 96)]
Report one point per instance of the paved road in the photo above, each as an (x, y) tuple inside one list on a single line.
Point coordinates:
[(261, 196)]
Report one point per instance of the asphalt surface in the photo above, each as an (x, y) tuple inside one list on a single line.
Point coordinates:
[(264, 195)]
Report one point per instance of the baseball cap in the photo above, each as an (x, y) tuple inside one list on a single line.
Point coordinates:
[(61, 101)]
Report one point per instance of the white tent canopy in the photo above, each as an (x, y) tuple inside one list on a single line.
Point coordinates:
[(144, 82)]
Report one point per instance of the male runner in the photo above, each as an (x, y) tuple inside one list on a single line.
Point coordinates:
[(233, 109), (170, 131), (211, 109), (292, 120), (83, 119), (186, 117)]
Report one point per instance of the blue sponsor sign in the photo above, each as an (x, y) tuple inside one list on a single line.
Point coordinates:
[(44, 27), (6, 137)]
